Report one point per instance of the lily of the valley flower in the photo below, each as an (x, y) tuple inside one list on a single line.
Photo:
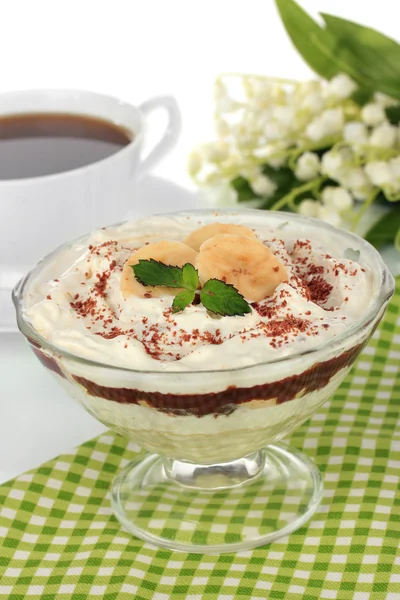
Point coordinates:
[(308, 166), (337, 151)]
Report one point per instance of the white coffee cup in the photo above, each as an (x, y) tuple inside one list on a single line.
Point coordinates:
[(37, 214)]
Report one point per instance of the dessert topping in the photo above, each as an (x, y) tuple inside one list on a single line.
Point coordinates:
[(199, 236), (168, 253), (217, 296), (247, 264)]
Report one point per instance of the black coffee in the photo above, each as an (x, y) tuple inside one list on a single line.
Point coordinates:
[(36, 144)]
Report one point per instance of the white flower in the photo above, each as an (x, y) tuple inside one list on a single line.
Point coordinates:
[(327, 214), (309, 207), (333, 120), (222, 127), (277, 162), (395, 166), (372, 114), (355, 132), (334, 162), (245, 138), (284, 115), (315, 130), (307, 166), (268, 153), (305, 88), (379, 172), (385, 174), (328, 123), (331, 164), (277, 93), (195, 163), (384, 100), (337, 198), (274, 131), (224, 102), (215, 152), (357, 182), (313, 102), (263, 185), (221, 194), (260, 92), (384, 135), (250, 172), (340, 87)]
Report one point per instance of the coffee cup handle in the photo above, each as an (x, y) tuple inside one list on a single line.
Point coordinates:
[(171, 134)]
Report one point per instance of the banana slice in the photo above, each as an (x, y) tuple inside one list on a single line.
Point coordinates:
[(198, 237), (243, 262), (171, 253)]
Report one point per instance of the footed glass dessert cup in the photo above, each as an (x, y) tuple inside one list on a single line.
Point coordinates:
[(214, 476)]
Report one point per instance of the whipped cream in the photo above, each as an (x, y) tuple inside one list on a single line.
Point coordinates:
[(76, 303)]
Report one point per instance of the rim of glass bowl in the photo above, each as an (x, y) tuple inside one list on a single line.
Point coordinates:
[(386, 290)]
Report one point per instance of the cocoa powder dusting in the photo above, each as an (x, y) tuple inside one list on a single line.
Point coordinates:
[(320, 290)]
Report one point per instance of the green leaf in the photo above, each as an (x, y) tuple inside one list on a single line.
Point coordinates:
[(371, 58), (385, 230), (397, 240), (362, 96), (371, 42), (190, 277), (285, 181), (217, 296), (223, 299), (182, 300), (393, 114), (316, 45), (243, 189), (152, 272), (283, 177), (323, 51)]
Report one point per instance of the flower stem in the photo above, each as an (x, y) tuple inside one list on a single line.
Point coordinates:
[(289, 198), (294, 153)]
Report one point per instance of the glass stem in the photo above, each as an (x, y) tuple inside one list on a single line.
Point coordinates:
[(216, 476)]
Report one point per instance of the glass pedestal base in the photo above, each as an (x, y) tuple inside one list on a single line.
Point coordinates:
[(217, 508)]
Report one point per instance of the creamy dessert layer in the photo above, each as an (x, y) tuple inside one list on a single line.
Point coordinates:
[(88, 302)]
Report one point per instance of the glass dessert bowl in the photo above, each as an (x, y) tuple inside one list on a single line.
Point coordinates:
[(207, 395)]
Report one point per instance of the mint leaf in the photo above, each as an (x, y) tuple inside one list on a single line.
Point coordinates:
[(152, 272), (190, 277), (223, 299), (217, 296), (182, 300)]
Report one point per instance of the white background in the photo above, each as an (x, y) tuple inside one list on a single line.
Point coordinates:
[(132, 49), (137, 48)]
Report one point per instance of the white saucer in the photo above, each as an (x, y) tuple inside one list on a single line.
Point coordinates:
[(151, 195)]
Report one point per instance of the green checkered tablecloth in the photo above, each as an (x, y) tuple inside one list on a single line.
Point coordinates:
[(60, 540)]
